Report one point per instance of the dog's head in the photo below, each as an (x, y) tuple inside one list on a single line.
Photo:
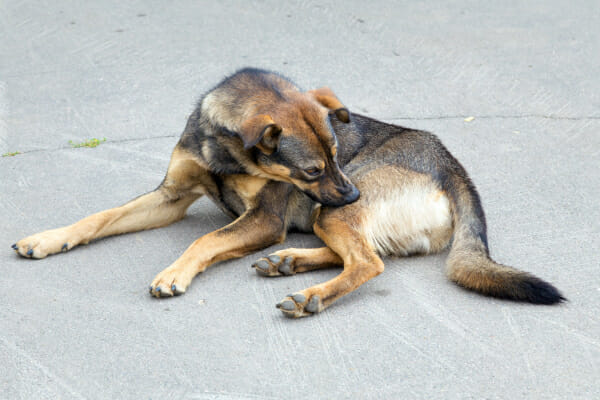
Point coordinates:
[(294, 142)]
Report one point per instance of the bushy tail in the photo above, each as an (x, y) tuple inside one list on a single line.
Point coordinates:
[(469, 264)]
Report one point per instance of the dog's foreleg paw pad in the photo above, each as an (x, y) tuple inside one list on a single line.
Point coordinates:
[(299, 297), (313, 304), (287, 305), (274, 265), (286, 267), (30, 252), (261, 266), (274, 258), (296, 305)]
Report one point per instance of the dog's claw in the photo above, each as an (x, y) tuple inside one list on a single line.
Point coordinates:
[(30, 252), (176, 291), (64, 247), (172, 281), (160, 292), (15, 247)]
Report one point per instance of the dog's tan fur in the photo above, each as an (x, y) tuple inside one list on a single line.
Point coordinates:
[(275, 158)]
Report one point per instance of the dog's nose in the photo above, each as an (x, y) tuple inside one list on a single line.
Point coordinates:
[(345, 189), (352, 194)]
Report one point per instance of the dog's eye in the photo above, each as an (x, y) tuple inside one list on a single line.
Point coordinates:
[(312, 171)]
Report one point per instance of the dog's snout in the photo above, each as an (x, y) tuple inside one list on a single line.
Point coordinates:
[(352, 194), (345, 189), (349, 193)]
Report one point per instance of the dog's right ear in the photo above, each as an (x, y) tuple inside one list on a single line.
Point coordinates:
[(327, 98), (260, 131)]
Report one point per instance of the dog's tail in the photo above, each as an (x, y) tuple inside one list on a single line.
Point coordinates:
[(469, 264)]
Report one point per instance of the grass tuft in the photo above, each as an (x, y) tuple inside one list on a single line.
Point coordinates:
[(11, 154), (88, 143)]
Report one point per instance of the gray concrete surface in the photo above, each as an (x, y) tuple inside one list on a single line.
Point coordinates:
[(82, 325)]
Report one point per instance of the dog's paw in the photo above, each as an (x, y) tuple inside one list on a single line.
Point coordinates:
[(45, 243), (172, 281), (300, 305), (275, 265)]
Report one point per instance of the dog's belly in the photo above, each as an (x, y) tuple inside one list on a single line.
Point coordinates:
[(405, 213)]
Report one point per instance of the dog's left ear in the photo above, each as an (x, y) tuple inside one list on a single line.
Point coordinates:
[(260, 131), (327, 98)]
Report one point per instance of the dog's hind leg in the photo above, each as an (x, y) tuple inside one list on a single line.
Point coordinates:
[(292, 261), (182, 185), (337, 228)]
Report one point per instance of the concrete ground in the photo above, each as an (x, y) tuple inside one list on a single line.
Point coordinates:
[(82, 325)]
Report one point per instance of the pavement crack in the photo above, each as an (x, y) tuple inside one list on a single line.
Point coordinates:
[(108, 142), (500, 116), (389, 118)]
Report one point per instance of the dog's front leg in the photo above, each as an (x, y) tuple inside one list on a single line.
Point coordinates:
[(254, 230)]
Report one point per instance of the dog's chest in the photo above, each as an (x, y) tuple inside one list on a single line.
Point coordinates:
[(236, 193)]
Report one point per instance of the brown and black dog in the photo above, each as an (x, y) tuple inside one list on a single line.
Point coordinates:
[(276, 159)]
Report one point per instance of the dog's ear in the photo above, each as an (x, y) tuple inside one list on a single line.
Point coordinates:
[(327, 98), (260, 131)]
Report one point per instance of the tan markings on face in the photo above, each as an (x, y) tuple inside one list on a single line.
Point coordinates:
[(277, 170), (305, 116), (311, 186), (329, 186)]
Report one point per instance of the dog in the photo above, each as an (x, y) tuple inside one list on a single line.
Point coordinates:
[(277, 159)]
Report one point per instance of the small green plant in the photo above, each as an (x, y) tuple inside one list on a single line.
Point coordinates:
[(88, 143), (11, 154)]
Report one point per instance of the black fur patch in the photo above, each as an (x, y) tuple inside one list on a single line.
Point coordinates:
[(537, 291)]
